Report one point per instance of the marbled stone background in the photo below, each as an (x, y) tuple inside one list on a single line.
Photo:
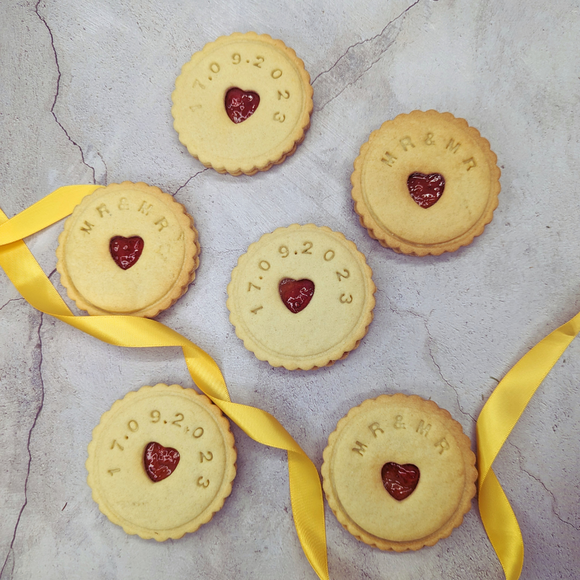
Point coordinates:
[(85, 97)]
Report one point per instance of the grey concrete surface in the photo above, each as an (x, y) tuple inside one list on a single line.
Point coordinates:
[(85, 97)]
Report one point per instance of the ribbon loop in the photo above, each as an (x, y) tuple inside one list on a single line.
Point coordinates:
[(494, 424), (29, 279)]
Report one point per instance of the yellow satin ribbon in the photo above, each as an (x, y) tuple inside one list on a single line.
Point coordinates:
[(29, 279), (494, 424)]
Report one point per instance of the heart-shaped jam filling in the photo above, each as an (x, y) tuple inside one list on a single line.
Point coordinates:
[(296, 294), (426, 189), (241, 105), (126, 251), (160, 462), (400, 480)]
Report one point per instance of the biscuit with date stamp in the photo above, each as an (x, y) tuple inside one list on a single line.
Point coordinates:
[(127, 248), (161, 462), (242, 103), (399, 473), (301, 297), (425, 183)]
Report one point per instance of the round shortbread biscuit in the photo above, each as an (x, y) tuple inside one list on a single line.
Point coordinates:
[(101, 281), (431, 456), (176, 420), (255, 64), (301, 332), (425, 145)]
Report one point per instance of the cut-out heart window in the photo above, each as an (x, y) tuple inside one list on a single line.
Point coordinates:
[(400, 480), (241, 105), (126, 251), (296, 294), (160, 462), (425, 189)]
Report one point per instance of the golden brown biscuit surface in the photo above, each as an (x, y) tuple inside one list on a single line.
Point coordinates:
[(413, 435), (431, 145), (301, 297), (102, 279), (176, 419), (255, 64)]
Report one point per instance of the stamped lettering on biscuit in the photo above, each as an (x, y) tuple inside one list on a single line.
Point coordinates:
[(399, 423), (423, 428), (87, 227), (215, 68), (360, 448), (452, 146), (375, 427), (388, 159), (117, 444), (284, 252), (145, 207), (470, 163), (162, 223), (102, 209), (202, 482), (208, 456), (442, 445)]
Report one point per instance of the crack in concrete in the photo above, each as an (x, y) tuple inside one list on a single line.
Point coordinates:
[(10, 553), (537, 479), (11, 560), (106, 177), (11, 300), (430, 342), (187, 182), (56, 95), (436, 364), (353, 62)]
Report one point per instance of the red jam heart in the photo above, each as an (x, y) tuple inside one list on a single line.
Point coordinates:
[(126, 251), (160, 462), (296, 294), (241, 105), (400, 480), (426, 189)]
